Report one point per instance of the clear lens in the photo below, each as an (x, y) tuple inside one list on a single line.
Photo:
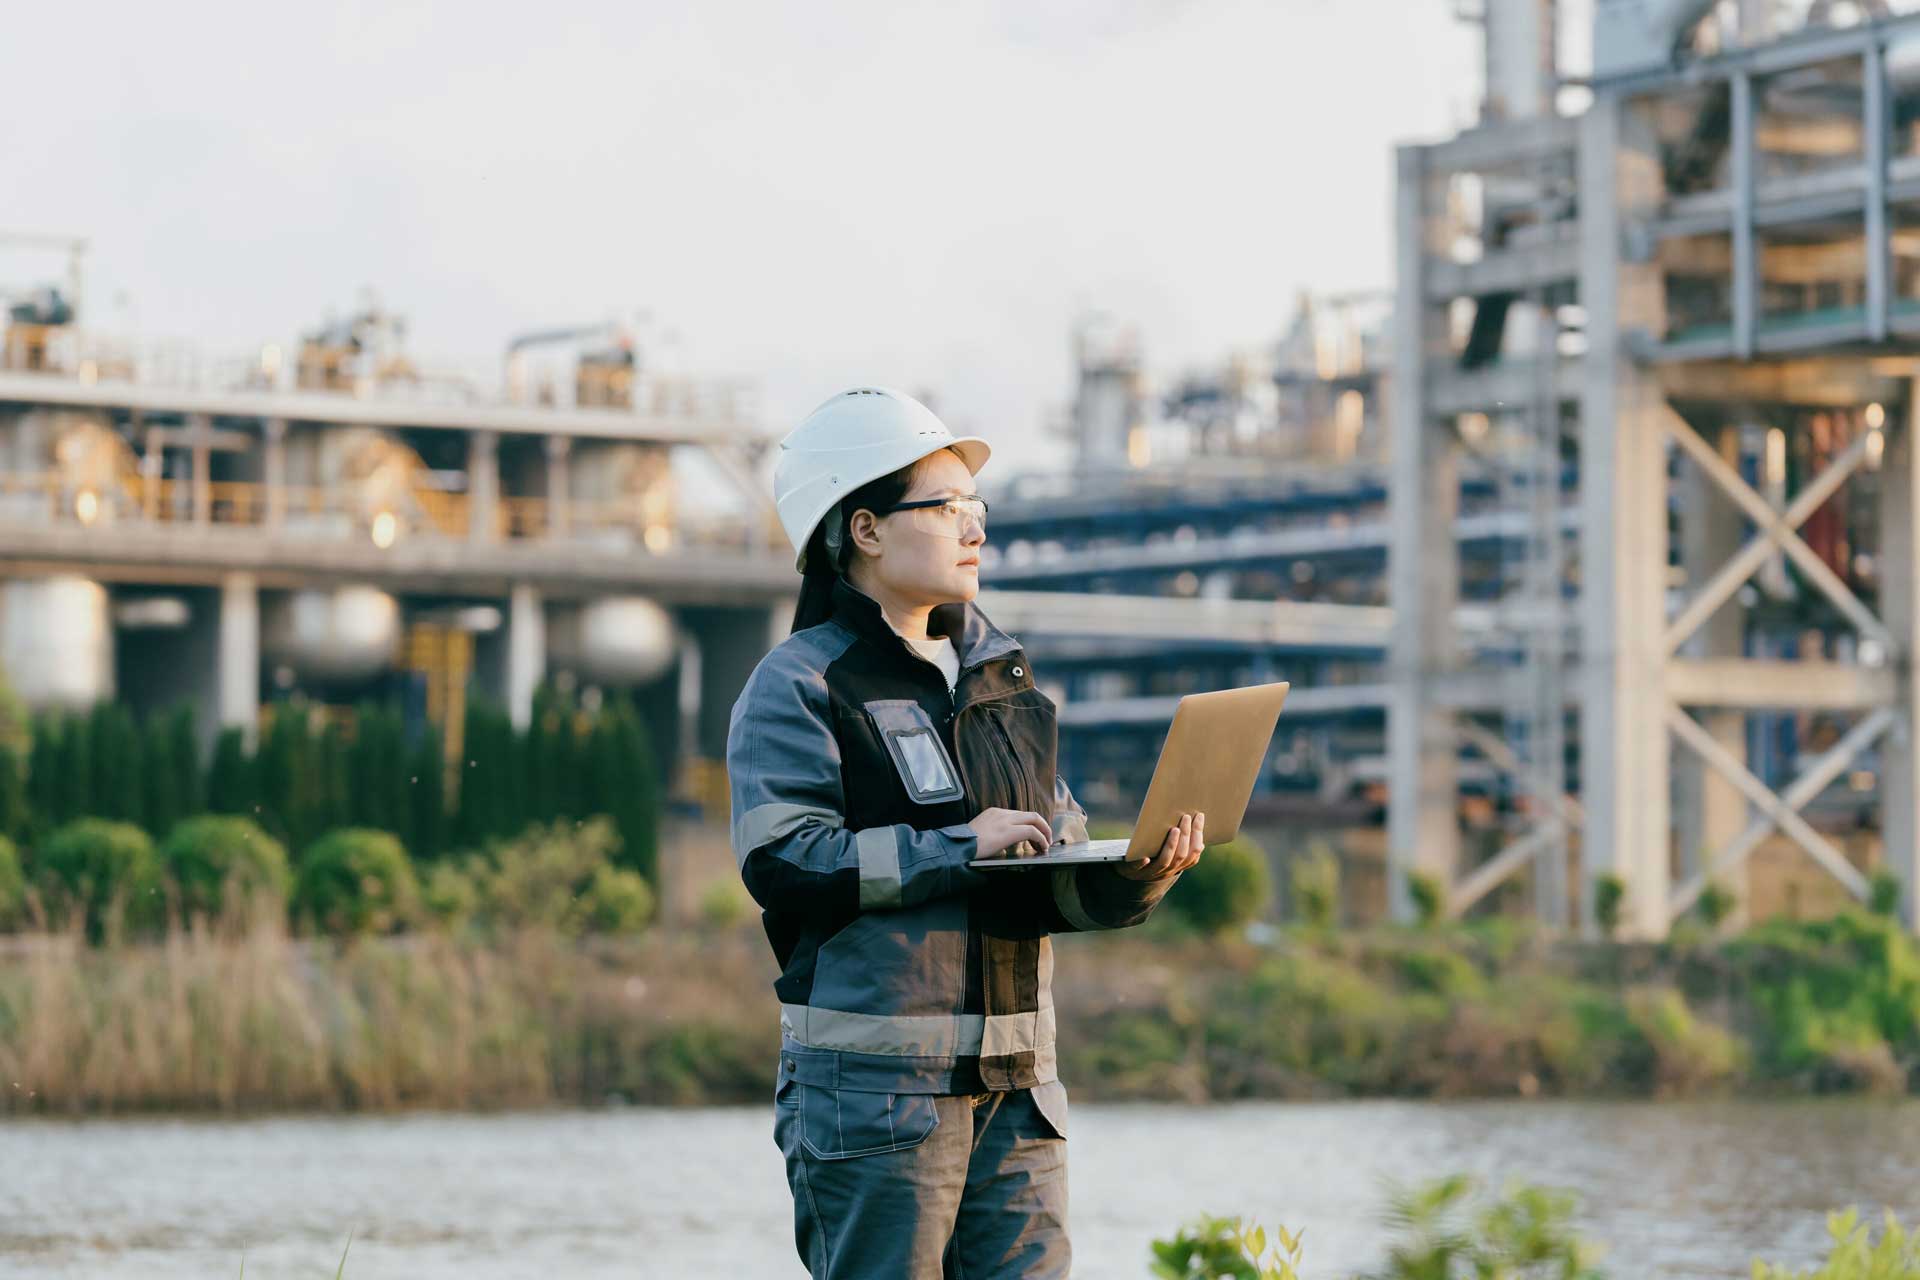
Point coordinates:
[(952, 519)]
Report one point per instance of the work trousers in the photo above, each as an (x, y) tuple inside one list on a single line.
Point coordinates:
[(923, 1186)]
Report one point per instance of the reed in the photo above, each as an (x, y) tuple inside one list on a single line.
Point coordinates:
[(217, 1017)]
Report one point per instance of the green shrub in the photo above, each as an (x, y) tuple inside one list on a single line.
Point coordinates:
[(100, 869), (1855, 1254), (355, 881), (617, 901), (1227, 889), (1226, 1249), (450, 896), (1428, 897), (1884, 893), (1315, 880), (1526, 1234), (1609, 896), (1715, 905), (208, 856), (724, 903), (13, 886), (559, 876)]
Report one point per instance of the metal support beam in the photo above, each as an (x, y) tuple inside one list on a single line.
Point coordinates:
[(274, 470), (1772, 536), (200, 431), (1707, 812), (1875, 128), (526, 651), (1625, 777), (1746, 264), (1761, 512), (239, 655), (1900, 605), (1423, 563), (1815, 777), (559, 517), (1783, 815), (1771, 684), (483, 486)]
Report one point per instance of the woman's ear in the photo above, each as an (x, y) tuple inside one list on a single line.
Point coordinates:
[(863, 532)]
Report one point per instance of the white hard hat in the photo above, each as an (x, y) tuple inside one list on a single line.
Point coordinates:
[(856, 436)]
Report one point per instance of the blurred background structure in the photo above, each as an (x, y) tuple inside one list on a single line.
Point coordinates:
[(1589, 549), (339, 524)]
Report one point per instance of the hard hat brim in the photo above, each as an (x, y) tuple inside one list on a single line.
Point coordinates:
[(971, 450)]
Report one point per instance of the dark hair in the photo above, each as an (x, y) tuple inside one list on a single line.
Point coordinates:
[(816, 582)]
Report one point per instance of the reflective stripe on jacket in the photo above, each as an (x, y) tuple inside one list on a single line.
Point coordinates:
[(854, 774)]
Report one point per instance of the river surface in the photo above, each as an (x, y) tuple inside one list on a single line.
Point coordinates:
[(1676, 1189)]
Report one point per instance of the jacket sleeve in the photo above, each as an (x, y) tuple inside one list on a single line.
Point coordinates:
[(789, 826), (1094, 896)]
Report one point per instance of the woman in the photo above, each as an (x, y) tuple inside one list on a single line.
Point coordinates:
[(892, 738)]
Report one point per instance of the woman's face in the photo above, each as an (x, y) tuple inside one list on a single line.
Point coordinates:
[(925, 557)]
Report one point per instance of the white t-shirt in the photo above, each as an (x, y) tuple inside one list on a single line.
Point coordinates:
[(940, 652)]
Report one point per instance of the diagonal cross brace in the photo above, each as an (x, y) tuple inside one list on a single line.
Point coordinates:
[(1814, 779), (1484, 878), (1775, 529), (1747, 561), (1495, 748), (1782, 814)]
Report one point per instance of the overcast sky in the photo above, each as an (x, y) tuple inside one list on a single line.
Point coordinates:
[(923, 194)]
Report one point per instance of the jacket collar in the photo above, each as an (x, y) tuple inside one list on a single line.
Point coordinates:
[(975, 638)]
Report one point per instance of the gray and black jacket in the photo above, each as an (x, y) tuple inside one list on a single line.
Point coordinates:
[(854, 774)]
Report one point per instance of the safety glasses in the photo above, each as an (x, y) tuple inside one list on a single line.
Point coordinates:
[(944, 517)]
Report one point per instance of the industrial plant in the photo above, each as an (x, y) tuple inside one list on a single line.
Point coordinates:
[(1589, 548)]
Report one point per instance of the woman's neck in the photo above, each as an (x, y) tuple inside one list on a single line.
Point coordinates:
[(909, 619)]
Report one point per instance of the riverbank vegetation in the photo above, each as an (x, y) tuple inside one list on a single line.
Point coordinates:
[(531, 979), (1449, 1230)]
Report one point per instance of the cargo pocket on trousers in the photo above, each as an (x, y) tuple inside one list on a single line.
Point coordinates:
[(839, 1124)]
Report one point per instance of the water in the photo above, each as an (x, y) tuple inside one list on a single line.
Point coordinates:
[(1678, 1189)]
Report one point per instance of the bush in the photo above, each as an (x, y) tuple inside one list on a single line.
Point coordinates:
[(1226, 890), (1609, 896), (1226, 1249), (1429, 898), (13, 886), (1884, 893), (450, 896), (102, 870), (209, 855), (1315, 880), (724, 903), (559, 876), (1855, 1256), (356, 881), (617, 901), (1525, 1235)]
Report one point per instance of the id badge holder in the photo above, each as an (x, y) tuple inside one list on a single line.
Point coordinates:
[(918, 755)]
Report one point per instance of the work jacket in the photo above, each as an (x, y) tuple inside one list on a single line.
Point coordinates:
[(854, 773)]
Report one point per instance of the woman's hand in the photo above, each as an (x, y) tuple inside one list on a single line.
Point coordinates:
[(998, 830), (1180, 850)]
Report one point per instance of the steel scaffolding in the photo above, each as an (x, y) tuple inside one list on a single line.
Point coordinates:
[(1709, 266)]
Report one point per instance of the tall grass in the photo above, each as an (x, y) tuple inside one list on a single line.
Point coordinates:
[(248, 1018)]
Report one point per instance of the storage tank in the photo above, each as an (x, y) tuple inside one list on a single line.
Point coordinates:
[(620, 640), (56, 641), (346, 634)]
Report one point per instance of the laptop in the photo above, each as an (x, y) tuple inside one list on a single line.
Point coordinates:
[(1209, 764)]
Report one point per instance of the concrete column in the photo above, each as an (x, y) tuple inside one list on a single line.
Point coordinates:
[(526, 651), (201, 429), (1900, 608), (238, 657), (1423, 566), (483, 486), (275, 470), (1625, 750), (559, 517), (1708, 812)]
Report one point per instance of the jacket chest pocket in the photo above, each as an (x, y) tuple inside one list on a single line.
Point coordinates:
[(913, 745), (1009, 748)]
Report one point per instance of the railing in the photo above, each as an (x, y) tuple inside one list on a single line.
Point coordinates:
[(626, 526)]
